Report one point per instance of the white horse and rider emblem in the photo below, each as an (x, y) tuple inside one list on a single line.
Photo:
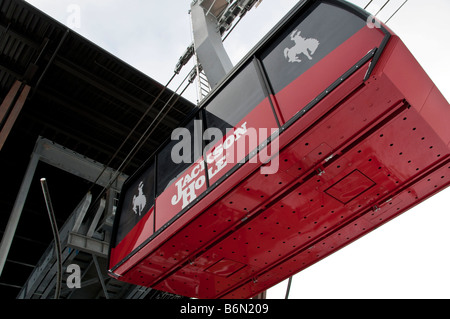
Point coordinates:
[(307, 46), (139, 201)]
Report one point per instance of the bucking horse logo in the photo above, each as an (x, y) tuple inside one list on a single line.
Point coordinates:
[(302, 45), (139, 201)]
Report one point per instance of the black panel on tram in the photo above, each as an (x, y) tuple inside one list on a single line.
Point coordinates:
[(323, 23), (174, 158), (137, 202), (235, 101)]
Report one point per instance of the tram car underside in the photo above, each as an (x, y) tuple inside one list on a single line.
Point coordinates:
[(357, 134)]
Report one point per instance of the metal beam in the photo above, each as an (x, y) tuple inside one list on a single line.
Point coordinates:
[(8, 101), (76, 164), (62, 158), (69, 132), (11, 108), (14, 32), (9, 68), (17, 210), (88, 244), (96, 219), (100, 276)]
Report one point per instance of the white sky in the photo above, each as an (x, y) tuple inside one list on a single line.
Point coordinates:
[(408, 257)]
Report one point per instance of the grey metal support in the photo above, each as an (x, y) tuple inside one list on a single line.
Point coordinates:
[(208, 44), (100, 276), (41, 277), (62, 158), (97, 216), (77, 164), (17, 210)]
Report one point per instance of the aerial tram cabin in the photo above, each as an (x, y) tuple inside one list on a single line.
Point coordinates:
[(327, 129)]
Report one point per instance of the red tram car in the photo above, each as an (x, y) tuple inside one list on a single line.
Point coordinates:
[(330, 128)]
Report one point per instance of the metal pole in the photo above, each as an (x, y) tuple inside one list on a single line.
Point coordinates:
[(51, 215), (17, 210)]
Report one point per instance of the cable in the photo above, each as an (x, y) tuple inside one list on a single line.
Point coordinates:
[(152, 125), (288, 288), (132, 131), (382, 7), (396, 11), (231, 30), (155, 126), (144, 137), (368, 4), (57, 240)]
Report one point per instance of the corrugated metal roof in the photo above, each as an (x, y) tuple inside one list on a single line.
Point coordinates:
[(78, 89), (83, 98)]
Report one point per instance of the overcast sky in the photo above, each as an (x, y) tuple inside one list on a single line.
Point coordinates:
[(408, 257)]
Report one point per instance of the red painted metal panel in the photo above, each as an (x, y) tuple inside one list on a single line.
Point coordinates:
[(180, 193), (140, 233), (225, 267), (350, 187)]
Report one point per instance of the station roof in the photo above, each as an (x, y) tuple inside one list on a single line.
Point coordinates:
[(84, 99)]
